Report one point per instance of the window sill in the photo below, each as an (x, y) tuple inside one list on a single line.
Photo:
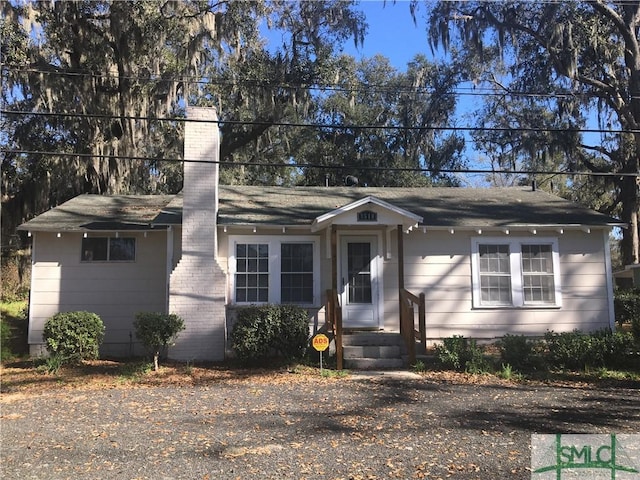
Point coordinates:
[(520, 307)]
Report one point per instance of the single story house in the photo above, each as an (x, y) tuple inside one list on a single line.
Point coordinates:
[(487, 262)]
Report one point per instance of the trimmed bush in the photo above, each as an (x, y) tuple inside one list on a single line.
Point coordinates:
[(461, 354), (156, 331), (577, 350), (74, 336), (267, 331), (520, 353)]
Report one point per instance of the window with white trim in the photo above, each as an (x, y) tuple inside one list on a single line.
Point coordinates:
[(516, 272), (274, 269)]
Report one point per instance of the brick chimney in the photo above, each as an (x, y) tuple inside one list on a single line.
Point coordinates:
[(197, 284)]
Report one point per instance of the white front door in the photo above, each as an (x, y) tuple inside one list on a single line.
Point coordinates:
[(359, 281)]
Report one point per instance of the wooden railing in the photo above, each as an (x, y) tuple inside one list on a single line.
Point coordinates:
[(334, 323), (408, 301)]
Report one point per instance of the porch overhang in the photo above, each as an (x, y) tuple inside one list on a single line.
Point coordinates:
[(368, 211)]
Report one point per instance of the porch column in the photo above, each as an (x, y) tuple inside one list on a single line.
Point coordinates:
[(406, 323)]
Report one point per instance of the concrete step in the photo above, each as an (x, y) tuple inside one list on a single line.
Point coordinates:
[(372, 351), (372, 338), (373, 363)]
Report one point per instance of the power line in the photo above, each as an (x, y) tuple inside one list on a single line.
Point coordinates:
[(368, 87), (324, 125), (319, 166)]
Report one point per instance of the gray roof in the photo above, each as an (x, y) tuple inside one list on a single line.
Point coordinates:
[(292, 206), (101, 212)]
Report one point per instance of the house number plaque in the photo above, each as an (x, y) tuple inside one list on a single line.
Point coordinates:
[(367, 216)]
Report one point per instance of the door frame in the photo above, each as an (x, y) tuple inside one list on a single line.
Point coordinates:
[(377, 284)]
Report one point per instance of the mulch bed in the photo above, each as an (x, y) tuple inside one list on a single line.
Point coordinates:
[(109, 421)]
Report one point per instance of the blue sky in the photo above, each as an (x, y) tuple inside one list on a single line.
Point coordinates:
[(391, 33)]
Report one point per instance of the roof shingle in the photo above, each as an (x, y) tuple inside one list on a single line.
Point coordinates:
[(242, 205)]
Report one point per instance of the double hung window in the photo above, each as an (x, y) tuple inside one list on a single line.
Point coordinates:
[(519, 272)]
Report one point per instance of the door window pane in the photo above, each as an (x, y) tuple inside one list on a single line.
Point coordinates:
[(359, 270)]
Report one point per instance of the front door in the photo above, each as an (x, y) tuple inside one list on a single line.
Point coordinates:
[(359, 281)]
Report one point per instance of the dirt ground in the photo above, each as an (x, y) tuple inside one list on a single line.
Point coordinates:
[(109, 421)]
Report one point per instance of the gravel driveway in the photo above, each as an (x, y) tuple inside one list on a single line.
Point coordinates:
[(359, 427)]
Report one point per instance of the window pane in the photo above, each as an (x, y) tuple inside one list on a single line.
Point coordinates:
[(537, 274), (296, 273), (494, 258), (495, 290), (537, 258), (495, 275), (122, 249), (252, 272), (94, 249)]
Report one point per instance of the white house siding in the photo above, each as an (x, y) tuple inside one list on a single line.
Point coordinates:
[(116, 291), (438, 264)]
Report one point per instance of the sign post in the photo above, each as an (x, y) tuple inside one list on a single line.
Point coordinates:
[(320, 342)]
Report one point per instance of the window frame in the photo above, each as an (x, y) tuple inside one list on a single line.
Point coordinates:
[(274, 243), (515, 245), (108, 258)]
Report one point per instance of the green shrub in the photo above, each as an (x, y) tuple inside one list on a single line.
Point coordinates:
[(612, 349), (50, 364), (520, 353), (73, 336), (577, 350), (292, 336), (156, 331), (270, 330), (627, 308), (461, 354)]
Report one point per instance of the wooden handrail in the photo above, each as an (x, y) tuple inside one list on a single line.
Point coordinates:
[(334, 321), (407, 322)]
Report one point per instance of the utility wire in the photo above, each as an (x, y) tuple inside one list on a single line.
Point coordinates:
[(324, 125), (366, 87), (319, 166)]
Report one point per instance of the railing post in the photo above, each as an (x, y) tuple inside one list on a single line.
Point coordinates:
[(338, 312), (422, 321)]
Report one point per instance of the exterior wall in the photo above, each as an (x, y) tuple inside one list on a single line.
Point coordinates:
[(116, 291), (438, 264)]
